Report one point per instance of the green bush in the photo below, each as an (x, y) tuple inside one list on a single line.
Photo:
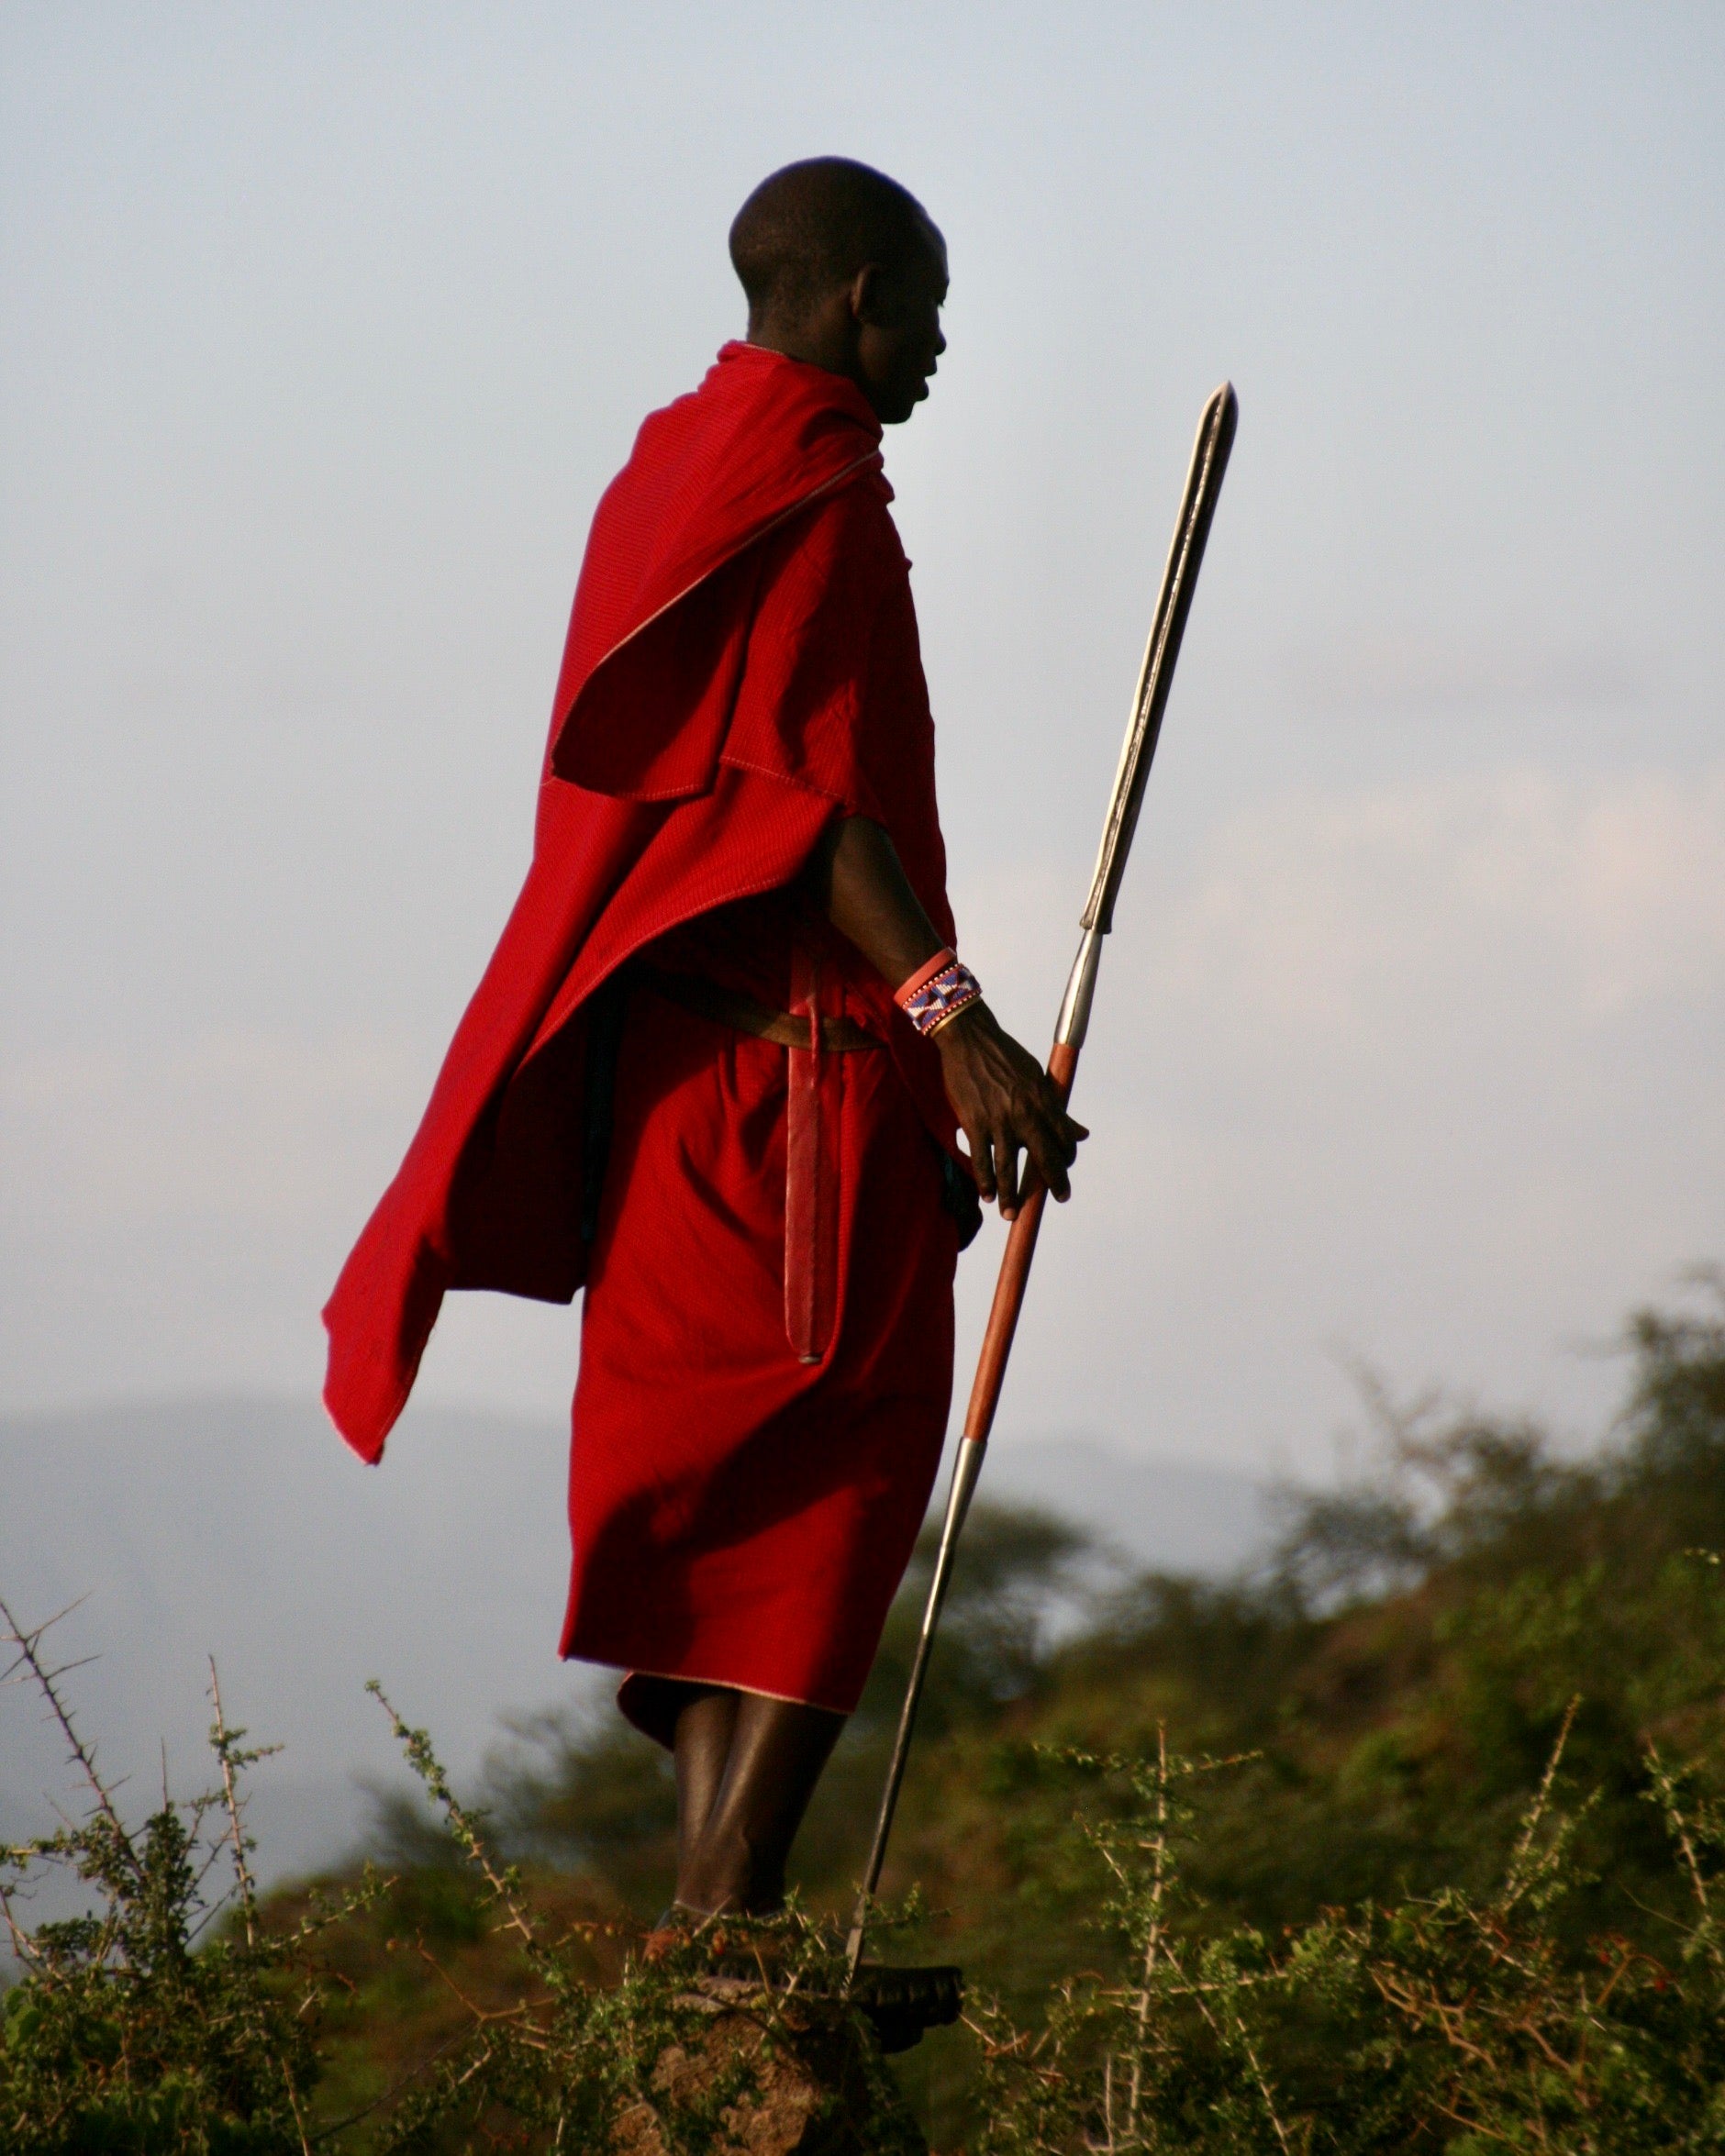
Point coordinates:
[(166, 2019), (1436, 1860), (1443, 2022)]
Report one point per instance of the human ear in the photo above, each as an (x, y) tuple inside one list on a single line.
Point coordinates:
[(869, 302)]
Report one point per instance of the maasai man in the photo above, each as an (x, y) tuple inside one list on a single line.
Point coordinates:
[(717, 1066)]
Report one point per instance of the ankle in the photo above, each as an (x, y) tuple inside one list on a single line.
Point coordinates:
[(729, 1876)]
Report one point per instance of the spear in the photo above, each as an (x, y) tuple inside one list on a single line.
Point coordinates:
[(1173, 602)]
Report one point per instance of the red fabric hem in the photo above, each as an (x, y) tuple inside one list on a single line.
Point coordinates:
[(632, 1709)]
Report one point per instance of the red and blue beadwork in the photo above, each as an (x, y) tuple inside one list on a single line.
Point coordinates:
[(936, 993)]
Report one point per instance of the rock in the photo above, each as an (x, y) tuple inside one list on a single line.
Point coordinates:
[(787, 2076)]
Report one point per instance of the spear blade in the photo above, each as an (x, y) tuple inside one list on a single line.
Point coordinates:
[(1155, 677)]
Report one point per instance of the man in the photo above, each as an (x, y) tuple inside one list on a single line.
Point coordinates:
[(718, 1065)]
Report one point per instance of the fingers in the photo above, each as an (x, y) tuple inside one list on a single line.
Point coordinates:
[(1053, 1155), (1052, 1137), (981, 1159), (1052, 1168), (1049, 1140), (1006, 1172), (1048, 1153), (1015, 1124)]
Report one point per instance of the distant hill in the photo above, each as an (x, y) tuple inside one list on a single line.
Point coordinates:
[(1159, 1515), (242, 1527)]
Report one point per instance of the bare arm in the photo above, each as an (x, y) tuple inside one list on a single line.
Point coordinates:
[(999, 1092)]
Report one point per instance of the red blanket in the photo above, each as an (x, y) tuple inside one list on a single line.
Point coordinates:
[(703, 735)]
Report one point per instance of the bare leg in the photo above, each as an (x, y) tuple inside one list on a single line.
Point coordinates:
[(776, 1752), (746, 1769), (705, 1725)]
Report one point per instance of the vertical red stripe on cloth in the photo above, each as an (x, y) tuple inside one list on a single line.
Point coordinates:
[(810, 1170)]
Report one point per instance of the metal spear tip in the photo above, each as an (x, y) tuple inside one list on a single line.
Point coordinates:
[(1204, 479)]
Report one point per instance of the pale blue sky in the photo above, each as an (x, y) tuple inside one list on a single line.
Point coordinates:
[(323, 327)]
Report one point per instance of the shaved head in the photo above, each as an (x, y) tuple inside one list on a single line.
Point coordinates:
[(812, 226)]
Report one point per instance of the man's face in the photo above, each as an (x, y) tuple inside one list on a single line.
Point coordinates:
[(899, 337)]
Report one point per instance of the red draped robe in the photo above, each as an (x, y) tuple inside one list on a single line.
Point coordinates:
[(741, 669)]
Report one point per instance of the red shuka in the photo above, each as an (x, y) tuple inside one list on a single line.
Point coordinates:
[(675, 781), (741, 669)]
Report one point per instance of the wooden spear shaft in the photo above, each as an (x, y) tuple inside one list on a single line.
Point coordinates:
[(1204, 479)]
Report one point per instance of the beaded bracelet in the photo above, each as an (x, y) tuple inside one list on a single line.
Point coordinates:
[(935, 993)]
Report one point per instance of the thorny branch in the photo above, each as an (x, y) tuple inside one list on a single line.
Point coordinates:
[(222, 1744), (424, 1762), (1517, 1881), (82, 1756)]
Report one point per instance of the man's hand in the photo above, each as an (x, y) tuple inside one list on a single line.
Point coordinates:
[(1005, 1101), (1000, 1093)]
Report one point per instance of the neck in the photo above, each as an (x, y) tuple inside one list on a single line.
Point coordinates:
[(825, 339)]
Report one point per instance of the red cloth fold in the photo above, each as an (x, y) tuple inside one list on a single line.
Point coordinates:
[(656, 642), (704, 730)]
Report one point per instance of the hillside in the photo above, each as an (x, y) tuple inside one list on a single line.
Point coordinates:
[(1446, 1885), (1398, 1676)]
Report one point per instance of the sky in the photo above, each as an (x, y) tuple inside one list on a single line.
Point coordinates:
[(322, 329)]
